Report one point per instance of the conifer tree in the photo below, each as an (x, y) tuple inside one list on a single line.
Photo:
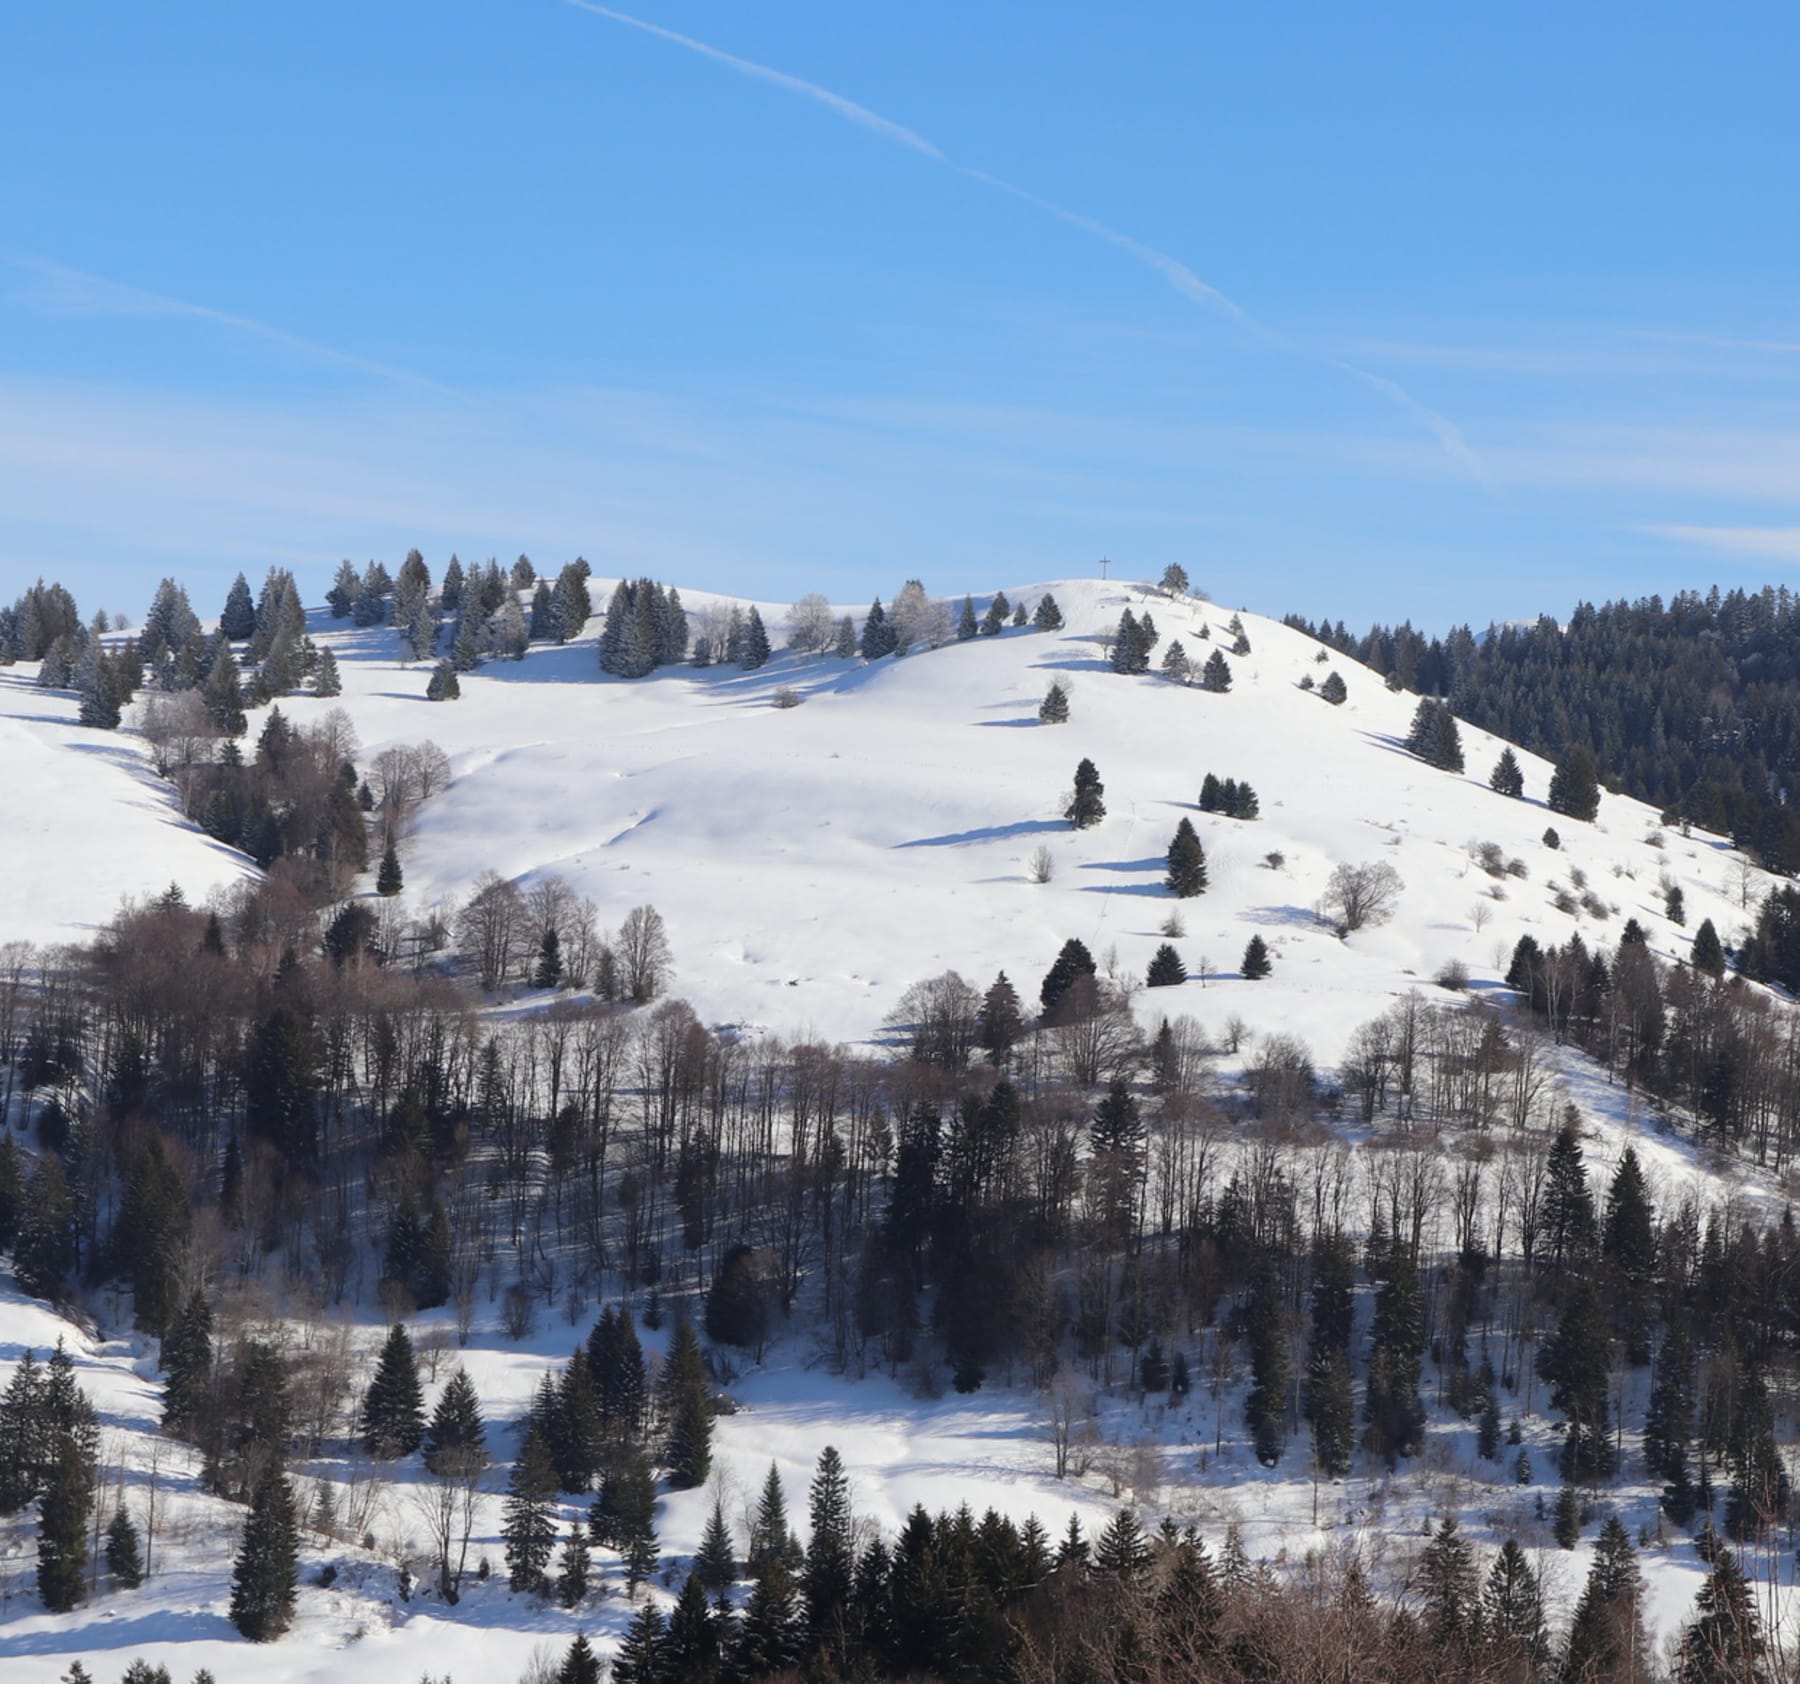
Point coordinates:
[(223, 694), (573, 1568), (994, 621), (1265, 1409), (1332, 1408), (549, 969), (263, 1580), (1256, 962), (1566, 1528), (1575, 1359), (580, 1665), (845, 646), (1708, 954), (1122, 1549), (443, 685), (1394, 1415), (63, 1512), (187, 1360), (1054, 709), (1487, 1433), (1020, 618), (1001, 1022), (1333, 690), (456, 1440), (124, 1554), (393, 1415), (1130, 652), (327, 680), (1175, 664), (639, 1660), (1575, 785), (1723, 1642), (830, 1554), (575, 1436), (967, 625), (1216, 674), (1607, 1638), (1187, 863), (624, 1516), (770, 1537), (687, 1408), (12, 1190), (878, 635), (1085, 807), (1675, 905), (755, 650), (715, 1563), (691, 1650), (1512, 1606), (1452, 1590), (1506, 777), (468, 647), (1628, 1244), (389, 881), (1047, 616), (529, 1525), (769, 1637), (1568, 1205), (1072, 962), (1669, 1423), (1166, 969), (238, 621)]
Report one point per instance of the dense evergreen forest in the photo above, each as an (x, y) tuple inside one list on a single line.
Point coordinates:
[(1692, 705)]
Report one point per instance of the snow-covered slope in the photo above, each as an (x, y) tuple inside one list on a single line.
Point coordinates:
[(812, 862), (87, 821)]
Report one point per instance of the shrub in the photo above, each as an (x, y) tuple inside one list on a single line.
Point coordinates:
[(785, 698), (1453, 975)]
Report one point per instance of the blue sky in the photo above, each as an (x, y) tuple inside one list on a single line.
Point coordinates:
[(1456, 312)]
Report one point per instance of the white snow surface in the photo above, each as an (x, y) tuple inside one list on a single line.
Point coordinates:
[(811, 863)]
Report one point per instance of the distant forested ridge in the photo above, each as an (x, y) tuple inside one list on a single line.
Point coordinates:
[(1693, 704)]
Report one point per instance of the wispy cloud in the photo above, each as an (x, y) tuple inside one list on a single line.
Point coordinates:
[(1721, 342), (57, 289), (1172, 270), (1755, 543)]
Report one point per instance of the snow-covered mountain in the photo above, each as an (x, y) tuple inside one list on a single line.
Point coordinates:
[(811, 863)]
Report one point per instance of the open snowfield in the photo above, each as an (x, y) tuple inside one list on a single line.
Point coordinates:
[(811, 863), (90, 821)]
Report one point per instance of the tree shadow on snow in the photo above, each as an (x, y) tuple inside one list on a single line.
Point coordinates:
[(162, 1626), (988, 833), (1283, 917)]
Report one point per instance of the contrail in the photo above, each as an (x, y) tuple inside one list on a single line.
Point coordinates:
[(848, 109), (1173, 271), (75, 292), (1441, 427)]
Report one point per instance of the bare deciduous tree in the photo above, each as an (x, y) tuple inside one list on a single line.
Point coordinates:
[(492, 928), (811, 627), (1360, 895), (645, 966)]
